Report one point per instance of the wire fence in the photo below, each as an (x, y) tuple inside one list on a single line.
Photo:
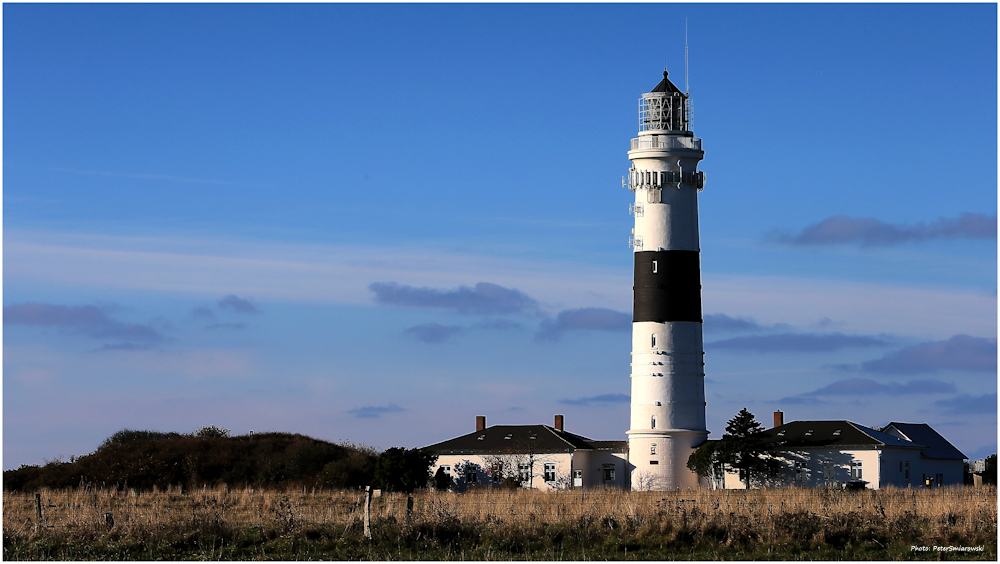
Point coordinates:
[(137, 510)]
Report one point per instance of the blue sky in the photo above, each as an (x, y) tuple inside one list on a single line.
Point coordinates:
[(375, 222)]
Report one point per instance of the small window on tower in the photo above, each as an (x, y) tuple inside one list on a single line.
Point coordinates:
[(652, 448), (654, 340), (652, 422), (654, 267)]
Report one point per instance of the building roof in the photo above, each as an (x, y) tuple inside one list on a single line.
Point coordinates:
[(831, 433), (665, 85), (537, 439), (937, 446)]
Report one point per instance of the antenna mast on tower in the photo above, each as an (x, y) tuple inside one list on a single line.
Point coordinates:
[(687, 86)]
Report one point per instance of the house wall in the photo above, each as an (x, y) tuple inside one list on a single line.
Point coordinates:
[(813, 468), (952, 471), (462, 465), (591, 464)]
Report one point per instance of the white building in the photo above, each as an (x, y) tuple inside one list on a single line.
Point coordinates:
[(536, 456), (835, 454), (668, 370)]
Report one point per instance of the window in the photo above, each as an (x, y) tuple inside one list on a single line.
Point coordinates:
[(471, 478), (654, 267), (829, 472), (609, 472), (652, 448), (550, 473), (447, 470), (906, 467), (653, 338), (524, 472), (654, 462), (900, 466), (938, 479), (652, 422), (800, 472), (497, 477), (855, 469)]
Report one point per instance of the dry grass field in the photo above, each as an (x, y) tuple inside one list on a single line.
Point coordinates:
[(501, 524)]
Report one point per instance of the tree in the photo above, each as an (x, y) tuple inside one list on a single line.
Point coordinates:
[(212, 432), (990, 472), (403, 470), (743, 448), (705, 462)]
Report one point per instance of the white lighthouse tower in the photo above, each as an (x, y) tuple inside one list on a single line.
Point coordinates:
[(668, 374)]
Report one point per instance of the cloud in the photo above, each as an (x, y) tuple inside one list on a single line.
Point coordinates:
[(584, 319), (92, 321), (865, 386), (228, 326), (966, 404), (499, 325), (237, 304), (797, 342), (433, 332), (870, 232), (482, 299), (375, 412), (721, 323), (961, 352), (604, 399), (202, 313)]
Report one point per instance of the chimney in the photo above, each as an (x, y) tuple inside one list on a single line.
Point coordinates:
[(480, 422), (560, 423), (779, 419)]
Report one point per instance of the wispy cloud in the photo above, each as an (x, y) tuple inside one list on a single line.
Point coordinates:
[(869, 231), (92, 321), (966, 404), (865, 386), (228, 326), (604, 399), (374, 411), (499, 325), (482, 299), (433, 332), (722, 323), (961, 352), (584, 319), (202, 313), (237, 304), (798, 342)]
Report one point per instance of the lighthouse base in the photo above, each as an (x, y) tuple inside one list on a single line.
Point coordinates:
[(658, 460)]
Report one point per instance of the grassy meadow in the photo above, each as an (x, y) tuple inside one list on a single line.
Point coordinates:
[(500, 524)]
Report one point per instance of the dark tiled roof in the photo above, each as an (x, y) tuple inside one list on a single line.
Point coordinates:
[(613, 446), (937, 446), (831, 433), (665, 85), (499, 439)]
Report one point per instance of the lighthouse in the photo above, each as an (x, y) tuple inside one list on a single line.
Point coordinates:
[(668, 369)]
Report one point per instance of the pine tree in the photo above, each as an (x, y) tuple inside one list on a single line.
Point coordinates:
[(743, 448)]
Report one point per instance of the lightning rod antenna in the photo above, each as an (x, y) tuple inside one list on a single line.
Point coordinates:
[(687, 89)]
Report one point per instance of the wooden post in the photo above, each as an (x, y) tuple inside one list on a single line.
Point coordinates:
[(38, 511), (368, 508), (409, 507)]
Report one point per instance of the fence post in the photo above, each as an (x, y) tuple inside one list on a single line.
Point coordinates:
[(38, 511), (368, 507), (409, 507)]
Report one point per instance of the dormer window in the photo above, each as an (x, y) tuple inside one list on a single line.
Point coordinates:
[(508, 437), (533, 437), (781, 433), (481, 437), (809, 432), (836, 433)]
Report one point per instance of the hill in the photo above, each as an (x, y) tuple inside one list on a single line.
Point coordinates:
[(147, 459)]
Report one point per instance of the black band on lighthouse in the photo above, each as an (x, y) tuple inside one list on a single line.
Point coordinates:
[(667, 286)]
